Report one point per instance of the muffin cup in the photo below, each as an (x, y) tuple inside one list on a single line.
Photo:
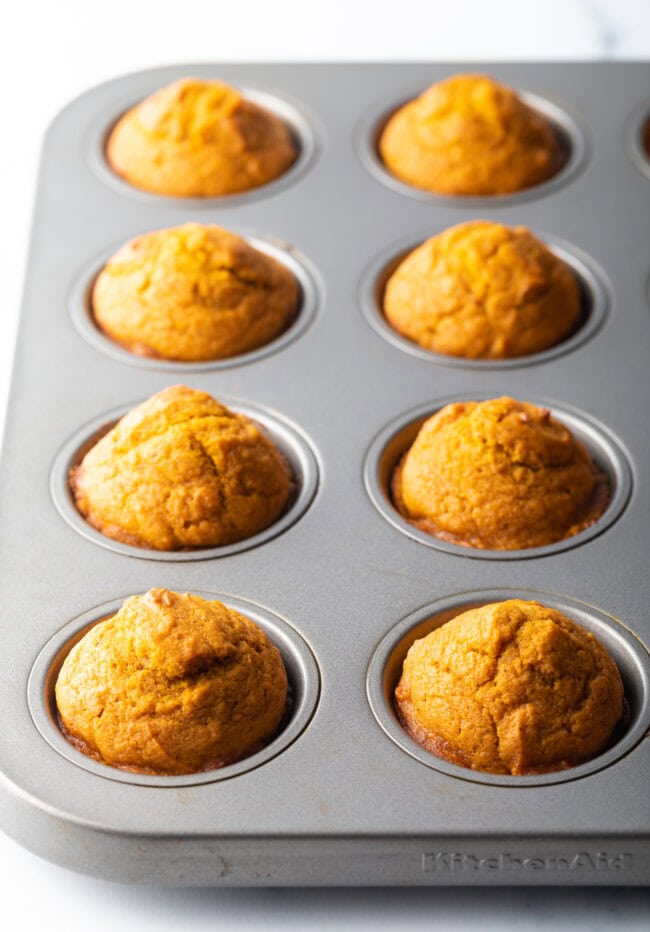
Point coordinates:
[(393, 441), (302, 674), (81, 312), (594, 302), (637, 137), (301, 127), (286, 437), (628, 652), (570, 134)]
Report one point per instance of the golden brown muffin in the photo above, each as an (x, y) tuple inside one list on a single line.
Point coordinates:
[(199, 139), (182, 471), (483, 291), (513, 688), (469, 135), (193, 293), (172, 684), (498, 475)]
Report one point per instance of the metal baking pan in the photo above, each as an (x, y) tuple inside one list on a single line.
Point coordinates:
[(342, 796)]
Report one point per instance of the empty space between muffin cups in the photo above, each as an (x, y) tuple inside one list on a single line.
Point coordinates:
[(628, 653), (309, 301), (391, 444), (569, 132), (636, 137), (287, 438), (303, 693), (302, 127), (590, 278)]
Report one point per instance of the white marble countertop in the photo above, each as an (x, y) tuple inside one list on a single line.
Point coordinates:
[(50, 52)]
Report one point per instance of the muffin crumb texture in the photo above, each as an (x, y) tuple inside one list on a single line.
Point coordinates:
[(182, 471), (172, 684), (193, 293), (510, 688), (498, 475), (470, 135), (199, 138), (483, 291)]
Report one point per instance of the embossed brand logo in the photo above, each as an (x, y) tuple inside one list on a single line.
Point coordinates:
[(454, 862)]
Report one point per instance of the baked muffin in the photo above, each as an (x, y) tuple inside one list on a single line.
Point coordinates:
[(199, 138), (193, 293), (469, 135), (171, 684), (483, 291), (511, 688), (182, 471), (498, 475)]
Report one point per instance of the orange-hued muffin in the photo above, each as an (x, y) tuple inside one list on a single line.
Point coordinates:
[(193, 293), (511, 688), (483, 291), (498, 475), (199, 138), (171, 684), (182, 471), (469, 135)]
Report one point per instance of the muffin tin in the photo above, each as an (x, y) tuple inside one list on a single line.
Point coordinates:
[(341, 796)]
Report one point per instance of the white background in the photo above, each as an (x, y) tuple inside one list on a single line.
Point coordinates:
[(51, 51)]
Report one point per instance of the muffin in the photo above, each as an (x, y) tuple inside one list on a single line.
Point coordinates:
[(182, 471), (199, 139), (510, 688), (193, 293), (498, 475), (171, 684), (483, 291), (469, 135)]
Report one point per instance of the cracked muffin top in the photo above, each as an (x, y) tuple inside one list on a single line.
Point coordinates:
[(199, 138), (182, 471), (483, 291), (193, 293), (498, 475), (171, 684), (469, 135), (510, 688)]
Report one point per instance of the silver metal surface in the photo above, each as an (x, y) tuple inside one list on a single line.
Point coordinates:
[(342, 797), (633, 138)]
